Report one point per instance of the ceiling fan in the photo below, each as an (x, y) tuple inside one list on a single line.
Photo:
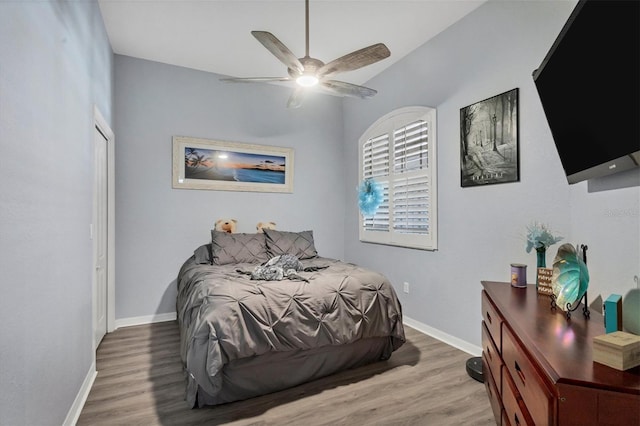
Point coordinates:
[(309, 72)]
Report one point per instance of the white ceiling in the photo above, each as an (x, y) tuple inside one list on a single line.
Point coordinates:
[(215, 35)]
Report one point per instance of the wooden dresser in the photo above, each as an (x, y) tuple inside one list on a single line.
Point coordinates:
[(538, 365)]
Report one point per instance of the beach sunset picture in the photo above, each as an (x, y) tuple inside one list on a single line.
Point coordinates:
[(231, 166), (228, 165)]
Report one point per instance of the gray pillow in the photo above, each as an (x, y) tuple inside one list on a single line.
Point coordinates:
[(299, 244), (238, 248), (203, 254)]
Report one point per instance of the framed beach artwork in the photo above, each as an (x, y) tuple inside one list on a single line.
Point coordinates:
[(489, 148), (231, 166)]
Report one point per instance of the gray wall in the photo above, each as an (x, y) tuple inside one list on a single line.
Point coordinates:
[(157, 227), (55, 65), (482, 229)]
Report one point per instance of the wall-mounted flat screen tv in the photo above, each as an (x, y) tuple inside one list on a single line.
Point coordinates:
[(589, 86)]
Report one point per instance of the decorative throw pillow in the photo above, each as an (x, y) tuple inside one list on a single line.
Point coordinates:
[(203, 254), (238, 248), (299, 244)]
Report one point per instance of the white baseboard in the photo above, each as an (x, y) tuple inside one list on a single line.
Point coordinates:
[(147, 319), (443, 337), (81, 397)]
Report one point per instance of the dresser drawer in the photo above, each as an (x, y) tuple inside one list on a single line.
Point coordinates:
[(515, 410), (492, 391), (580, 406), (491, 356), (526, 379), (493, 320)]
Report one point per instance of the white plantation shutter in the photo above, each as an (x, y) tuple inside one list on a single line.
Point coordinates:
[(411, 147), (376, 157), (380, 221), (376, 165), (398, 152), (411, 188), (411, 205)]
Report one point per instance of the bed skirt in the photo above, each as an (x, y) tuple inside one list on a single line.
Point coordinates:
[(272, 372)]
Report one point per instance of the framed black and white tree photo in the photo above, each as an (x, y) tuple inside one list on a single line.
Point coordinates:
[(489, 149)]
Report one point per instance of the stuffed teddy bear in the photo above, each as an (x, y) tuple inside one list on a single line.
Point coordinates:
[(265, 225), (226, 225)]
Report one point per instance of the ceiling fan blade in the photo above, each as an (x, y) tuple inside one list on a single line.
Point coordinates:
[(296, 98), (354, 60), (278, 49), (254, 79), (342, 88)]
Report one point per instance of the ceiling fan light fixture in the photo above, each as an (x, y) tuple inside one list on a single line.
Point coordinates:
[(307, 80)]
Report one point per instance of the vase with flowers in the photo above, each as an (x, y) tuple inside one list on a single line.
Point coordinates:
[(540, 237)]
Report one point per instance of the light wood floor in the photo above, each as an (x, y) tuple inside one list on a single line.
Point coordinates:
[(425, 382)]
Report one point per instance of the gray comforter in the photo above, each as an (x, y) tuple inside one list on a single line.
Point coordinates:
[(226, 316)]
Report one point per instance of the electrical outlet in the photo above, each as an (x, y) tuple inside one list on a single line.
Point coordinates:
[(406, 287)]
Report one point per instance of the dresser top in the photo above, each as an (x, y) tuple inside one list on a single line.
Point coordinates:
[(562, 346)]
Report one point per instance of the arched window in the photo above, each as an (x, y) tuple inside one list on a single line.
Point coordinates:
[(398, 152)]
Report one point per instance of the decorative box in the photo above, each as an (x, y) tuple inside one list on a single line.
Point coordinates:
[(619, 350), (613, 313)]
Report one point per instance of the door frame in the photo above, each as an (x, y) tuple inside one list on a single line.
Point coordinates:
[(101, 125)]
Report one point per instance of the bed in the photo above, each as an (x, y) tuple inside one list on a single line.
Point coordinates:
[(242, 336)]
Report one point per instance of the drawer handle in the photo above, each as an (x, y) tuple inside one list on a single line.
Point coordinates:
[(489, 317), (515, 418), (519, 371), (489, 354)]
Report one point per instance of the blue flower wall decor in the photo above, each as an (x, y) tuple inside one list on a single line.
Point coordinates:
[(370, 197)]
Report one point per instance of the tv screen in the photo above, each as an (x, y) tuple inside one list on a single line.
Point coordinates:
[(589, 86)]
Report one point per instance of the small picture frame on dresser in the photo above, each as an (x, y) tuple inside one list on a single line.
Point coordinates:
[(545, 286)]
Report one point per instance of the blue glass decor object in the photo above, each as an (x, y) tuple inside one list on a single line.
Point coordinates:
[(570, 277), (541, 257), (541, 262), (369, 197)]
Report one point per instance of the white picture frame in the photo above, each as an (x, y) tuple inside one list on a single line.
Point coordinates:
[(231, 166)]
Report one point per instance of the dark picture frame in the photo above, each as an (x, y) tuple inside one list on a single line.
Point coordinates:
[(489, 141)]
